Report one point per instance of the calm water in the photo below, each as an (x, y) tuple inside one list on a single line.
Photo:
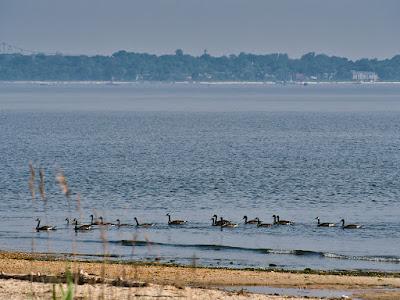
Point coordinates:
[(144, 150)]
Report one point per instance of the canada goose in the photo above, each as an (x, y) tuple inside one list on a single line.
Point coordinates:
[(281, 222), (215, 222), (350, 226), (254, 221), (106, 223), (83, 227), (94, 222), (324, 224), (174, 222), (259, 224), (44, 228), (225, 223), (143, 224), (119, 224)]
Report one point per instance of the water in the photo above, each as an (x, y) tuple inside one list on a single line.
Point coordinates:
[(196, 150)]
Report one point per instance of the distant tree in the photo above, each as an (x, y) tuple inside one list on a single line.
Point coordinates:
[(123, 65), (179, 52)]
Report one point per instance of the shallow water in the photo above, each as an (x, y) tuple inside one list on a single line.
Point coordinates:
[(194, 150)]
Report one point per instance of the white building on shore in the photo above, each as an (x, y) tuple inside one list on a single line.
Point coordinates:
[(364, 76)]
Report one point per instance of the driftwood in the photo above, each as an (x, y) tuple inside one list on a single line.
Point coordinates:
[(78, 278)]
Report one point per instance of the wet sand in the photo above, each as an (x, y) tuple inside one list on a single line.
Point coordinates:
[(189, 282)]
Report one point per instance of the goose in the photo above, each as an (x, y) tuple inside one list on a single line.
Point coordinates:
[(254, 221), (94, 222), (105, 223), (327, 224), (225, 223), (281, 222), (45, 227), (215, 222), (143, 224), (119, 224), (350, 226), (175, 222), (259, 224), (83, 227)]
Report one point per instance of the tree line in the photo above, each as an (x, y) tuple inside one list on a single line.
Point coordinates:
[(131, 66)]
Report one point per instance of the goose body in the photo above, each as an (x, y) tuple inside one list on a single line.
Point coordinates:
[(246, 221), (277, 221), (225, 223), (83, 227), (143, 224), (350, 226), (260, 224), (45, 227), (174, 222), (216, 222), (326, 224)]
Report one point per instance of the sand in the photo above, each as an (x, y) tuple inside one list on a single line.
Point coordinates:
[(178, 281)]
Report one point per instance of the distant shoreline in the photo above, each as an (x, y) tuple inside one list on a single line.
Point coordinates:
[(216, 83)]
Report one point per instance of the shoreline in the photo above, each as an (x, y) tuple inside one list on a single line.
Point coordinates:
[(113, 260), (198, 83), (192, 277)]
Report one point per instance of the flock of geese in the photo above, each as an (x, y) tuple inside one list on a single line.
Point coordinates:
[(215, 222)]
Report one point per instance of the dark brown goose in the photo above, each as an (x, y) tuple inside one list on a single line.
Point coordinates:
[(83, 227), (260, 224), (350, 226), (326, 224), (246, 221), (143, 224), (216, 222), (174, 222), (45, 227), (277, 221), (225, 223)]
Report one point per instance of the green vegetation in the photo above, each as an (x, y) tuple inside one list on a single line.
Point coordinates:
[(129, 66), (68, 293)]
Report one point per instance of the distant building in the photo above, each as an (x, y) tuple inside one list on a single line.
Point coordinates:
[(364, 76)]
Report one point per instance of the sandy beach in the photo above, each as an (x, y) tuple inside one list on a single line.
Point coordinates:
[(18, 270)]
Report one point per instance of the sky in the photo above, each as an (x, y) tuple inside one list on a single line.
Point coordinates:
[(350, 28)]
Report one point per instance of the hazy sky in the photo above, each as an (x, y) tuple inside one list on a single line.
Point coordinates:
[(352, 28)]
